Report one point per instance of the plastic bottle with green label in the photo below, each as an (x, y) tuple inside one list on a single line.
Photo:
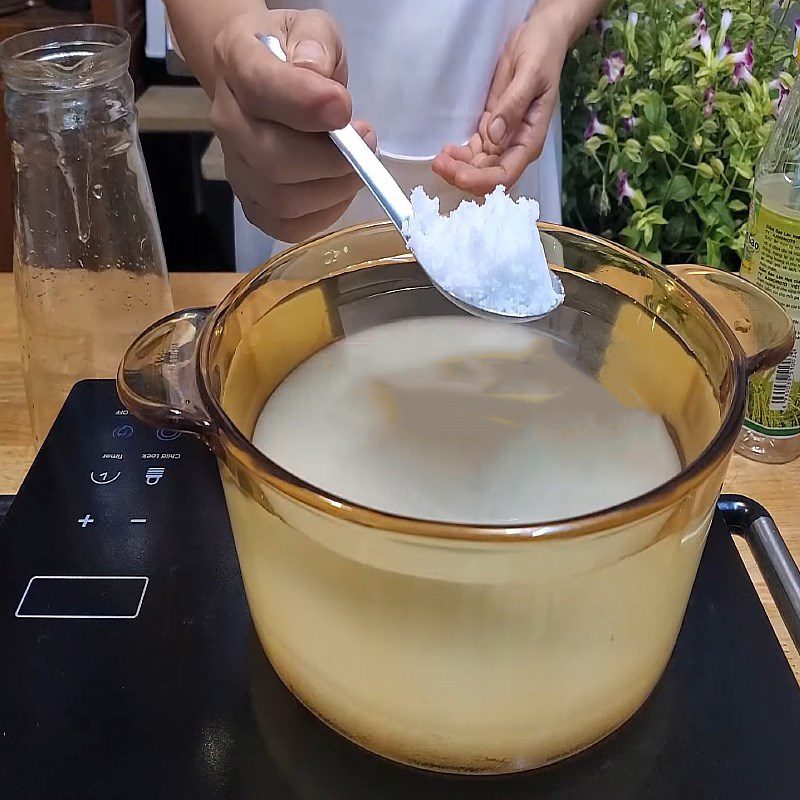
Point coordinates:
[(771, 260)]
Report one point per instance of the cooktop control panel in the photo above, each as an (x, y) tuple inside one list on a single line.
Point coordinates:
[(129, 668)]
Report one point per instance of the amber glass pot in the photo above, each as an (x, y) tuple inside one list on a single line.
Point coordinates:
[(454, 647)]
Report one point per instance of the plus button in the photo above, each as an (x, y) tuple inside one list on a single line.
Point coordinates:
[(87, 520)]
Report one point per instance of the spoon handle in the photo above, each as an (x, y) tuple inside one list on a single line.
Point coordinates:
[(366, 164)]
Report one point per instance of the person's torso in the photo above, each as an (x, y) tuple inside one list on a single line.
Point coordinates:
[(419, 73), (419, 70)]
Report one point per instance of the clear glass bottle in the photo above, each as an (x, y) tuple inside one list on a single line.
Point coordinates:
[(771, 260), (89, 264)]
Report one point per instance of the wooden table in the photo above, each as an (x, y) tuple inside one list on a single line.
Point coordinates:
[(776, 487)]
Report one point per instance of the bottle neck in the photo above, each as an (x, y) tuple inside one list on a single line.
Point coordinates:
[(84, 112)]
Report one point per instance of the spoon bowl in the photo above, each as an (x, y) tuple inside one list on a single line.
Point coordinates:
[(497, 316)]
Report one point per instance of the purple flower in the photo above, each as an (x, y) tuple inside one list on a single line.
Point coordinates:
[(624, 189), (708, 102), (629, 123), (701, 38), (744, 61), (614, 66), (745, 56), (705, 41), (699, 16), (725, 22), (724, 49), (595, 128), (602, 26), (741, 73), (783, 92), (796, 37)]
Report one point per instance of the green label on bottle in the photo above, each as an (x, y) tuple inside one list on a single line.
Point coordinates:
[(771, 260)]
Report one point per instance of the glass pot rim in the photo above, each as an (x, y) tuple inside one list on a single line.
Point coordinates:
[(235, 444), (166, 379), (34, 61)]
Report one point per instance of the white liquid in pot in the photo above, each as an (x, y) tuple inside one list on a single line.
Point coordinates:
[(465, 656), (461, 420)]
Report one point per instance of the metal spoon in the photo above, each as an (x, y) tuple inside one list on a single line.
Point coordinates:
[(394, 202)]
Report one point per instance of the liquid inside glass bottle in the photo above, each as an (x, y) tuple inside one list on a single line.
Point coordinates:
[(771, 260), (89, 264)]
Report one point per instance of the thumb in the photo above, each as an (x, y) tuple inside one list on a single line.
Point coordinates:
[(313, 42), (512, 105)]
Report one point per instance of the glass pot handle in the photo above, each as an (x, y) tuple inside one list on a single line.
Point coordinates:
[(764, 330), (748, 519), (157, 380)]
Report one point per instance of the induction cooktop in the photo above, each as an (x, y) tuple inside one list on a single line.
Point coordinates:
[(129, 667)]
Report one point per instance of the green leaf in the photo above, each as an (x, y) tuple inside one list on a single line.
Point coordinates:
[(709, 190), (717, 165), (659, 143), (638, 200), (705, 170), (744, 169), (723, 214), (704, 212), (737, 205), (681, 230), (593, 97), (632, 150), (634, 158), (733, 127), (655, 111), (631, 236), (632, 146), (713, 256), (684, 92), (592, 144), (647, 235), (678, 189)]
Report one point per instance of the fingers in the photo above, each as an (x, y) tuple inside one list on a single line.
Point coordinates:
[(526, 84), (278, 154), (480, 180), (450, 165), (291, 184), (503, 71), (313, 41), (294, 230), (266, 88), (281, 203), (480, 172), (536, 123)]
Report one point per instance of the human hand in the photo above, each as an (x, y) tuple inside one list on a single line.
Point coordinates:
[(291, 180), (521, 100)]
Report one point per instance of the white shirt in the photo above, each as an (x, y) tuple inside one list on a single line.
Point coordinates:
[(420, 72)]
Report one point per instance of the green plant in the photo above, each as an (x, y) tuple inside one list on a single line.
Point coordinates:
[(667, 106)]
